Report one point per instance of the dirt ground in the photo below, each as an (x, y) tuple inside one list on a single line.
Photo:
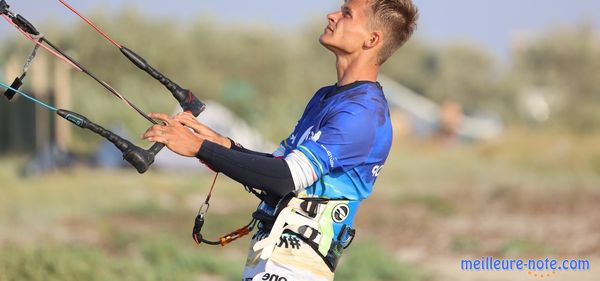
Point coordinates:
[(435, 233)]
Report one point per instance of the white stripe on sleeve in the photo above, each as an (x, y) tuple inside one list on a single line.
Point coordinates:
[(302, 170)]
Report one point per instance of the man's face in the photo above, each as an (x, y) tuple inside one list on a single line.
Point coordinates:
[(347, 29)]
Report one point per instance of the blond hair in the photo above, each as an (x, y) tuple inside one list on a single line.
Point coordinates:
[(398, 19)]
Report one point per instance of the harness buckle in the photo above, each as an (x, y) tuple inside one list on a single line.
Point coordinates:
[(199, 222)]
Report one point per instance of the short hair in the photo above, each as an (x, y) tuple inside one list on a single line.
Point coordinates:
[(398, 18)]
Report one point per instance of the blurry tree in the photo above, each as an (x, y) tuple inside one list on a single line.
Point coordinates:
[(266, 77), (466, 75), (256, 59), (460, 72), (568, 62), (415, 65)]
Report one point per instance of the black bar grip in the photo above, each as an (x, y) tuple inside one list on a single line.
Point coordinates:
[(136, 156), (156, 148), (25, 25), (139, 158), (187, 100), (82, 122), (10, 93)]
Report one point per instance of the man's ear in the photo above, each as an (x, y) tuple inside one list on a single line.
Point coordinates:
[(375, 38)]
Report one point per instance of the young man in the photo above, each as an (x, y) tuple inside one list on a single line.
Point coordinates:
[(319, 175)]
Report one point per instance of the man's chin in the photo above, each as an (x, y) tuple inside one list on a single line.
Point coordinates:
[(324, 43)]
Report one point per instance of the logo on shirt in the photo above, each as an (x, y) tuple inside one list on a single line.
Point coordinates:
[(329, 155), (316, 136), (307, 134), (340, 212), (376, 170)]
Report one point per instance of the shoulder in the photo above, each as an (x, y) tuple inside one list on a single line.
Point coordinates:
[(368, 97), (319, 95)]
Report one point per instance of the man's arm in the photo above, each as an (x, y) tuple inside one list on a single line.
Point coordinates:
[(257, 170), (235, 146)]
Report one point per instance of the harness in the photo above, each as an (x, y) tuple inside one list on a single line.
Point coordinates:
[(320, 223), (315, 220)]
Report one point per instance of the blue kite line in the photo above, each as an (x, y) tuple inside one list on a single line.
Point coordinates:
[(29, 97)]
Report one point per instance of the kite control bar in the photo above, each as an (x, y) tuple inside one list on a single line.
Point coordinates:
[(141, 159), (185, 97)]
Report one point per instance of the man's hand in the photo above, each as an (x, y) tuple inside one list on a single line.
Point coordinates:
[(205, 132), (174, 135)]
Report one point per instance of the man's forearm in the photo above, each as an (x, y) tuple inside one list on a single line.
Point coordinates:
[(233, 145), (253, 169)]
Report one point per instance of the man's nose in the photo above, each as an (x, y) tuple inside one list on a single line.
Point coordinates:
[(333, 17)]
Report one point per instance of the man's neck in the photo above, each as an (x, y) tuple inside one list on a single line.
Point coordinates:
[(352, 69)]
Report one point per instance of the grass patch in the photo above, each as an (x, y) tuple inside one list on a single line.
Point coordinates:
[(157, 260), (433, 203), (465, 244), (595, 164), (118, 225), (171, 262), (366, 261), (66, 263), (147, 208), (524, 247)]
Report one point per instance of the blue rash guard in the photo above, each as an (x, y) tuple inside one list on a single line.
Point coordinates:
[(346, 134), (329, 163)]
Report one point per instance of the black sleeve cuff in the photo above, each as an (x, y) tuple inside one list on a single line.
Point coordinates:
[(238, 147), (257, 171)]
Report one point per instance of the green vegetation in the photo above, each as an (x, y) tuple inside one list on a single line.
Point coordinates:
[(94, 225), (367, 262), (524, 247), (239, 66), (433, 203), (160, 259), (465, 244)]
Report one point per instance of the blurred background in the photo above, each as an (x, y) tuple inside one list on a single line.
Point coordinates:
[(496, 117)]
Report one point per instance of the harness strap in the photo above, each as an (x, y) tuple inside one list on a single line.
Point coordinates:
[(225, 239), (287, 215), (298, 214), (309, 219)]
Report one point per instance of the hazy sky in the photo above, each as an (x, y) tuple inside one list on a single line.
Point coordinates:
[(489, 23)]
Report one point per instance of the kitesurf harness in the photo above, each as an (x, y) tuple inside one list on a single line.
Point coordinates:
[(311, 219)]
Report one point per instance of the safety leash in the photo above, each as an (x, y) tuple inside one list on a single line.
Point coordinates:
[(225, 239)]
